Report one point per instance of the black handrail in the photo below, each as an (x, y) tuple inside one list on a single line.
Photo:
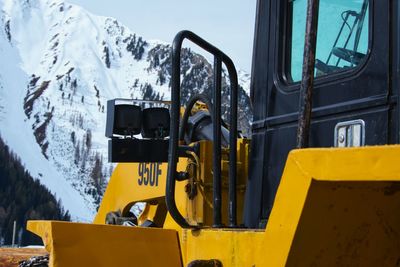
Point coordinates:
[(217, 195), (307, 81), (219, 58)]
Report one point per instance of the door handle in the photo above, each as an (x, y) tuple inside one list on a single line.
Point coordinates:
[(350, 134)]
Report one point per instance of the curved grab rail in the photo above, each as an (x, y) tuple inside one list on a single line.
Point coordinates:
[(219, 58)]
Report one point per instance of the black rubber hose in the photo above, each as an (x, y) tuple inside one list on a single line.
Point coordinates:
[(189, 106)]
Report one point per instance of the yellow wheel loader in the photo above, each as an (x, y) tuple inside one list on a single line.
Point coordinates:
[(317, 184)]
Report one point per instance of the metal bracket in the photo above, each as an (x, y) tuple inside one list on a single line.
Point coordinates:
[(350, 134)]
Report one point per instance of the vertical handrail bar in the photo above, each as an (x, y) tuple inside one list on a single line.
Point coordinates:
[(174, 132), (217, 195), (232, 205), (307, 82)]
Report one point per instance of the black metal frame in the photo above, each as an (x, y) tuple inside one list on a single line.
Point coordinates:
[(219, 58)]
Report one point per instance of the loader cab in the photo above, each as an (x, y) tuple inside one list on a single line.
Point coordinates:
[(355, 90)]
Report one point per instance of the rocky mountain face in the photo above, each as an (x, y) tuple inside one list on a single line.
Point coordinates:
[(60, 64)]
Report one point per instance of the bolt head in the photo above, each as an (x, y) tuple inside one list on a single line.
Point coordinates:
[(341, 138)]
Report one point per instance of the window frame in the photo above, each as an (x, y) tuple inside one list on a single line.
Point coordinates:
[(283, 77)]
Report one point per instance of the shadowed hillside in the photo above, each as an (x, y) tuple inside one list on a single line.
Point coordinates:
[(22, 198)]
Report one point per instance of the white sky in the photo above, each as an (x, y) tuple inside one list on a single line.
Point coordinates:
[(228, 24)]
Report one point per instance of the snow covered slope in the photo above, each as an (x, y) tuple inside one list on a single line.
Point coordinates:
[(60, 64)]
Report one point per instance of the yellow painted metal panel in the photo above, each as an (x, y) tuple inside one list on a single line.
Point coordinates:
[(348, 224), (336, 207), (76, 244), (235, 248), (124, 188)]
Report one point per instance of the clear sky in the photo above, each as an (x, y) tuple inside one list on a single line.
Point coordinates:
[(228, 24)]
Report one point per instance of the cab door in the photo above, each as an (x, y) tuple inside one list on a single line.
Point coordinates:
[(352, 99)]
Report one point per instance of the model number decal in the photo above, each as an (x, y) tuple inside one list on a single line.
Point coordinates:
[(149, 173)]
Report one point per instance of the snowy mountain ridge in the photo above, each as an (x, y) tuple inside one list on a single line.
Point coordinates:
[(62, 65)]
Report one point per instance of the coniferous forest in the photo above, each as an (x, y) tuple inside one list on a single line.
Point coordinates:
[(23, 198)]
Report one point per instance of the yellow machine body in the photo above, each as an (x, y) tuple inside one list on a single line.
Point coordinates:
[(126, 188), (334, 207)]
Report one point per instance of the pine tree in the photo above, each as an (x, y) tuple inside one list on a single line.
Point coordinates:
[(22, 198)]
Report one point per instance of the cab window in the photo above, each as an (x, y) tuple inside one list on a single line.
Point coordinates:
[(342, 39)]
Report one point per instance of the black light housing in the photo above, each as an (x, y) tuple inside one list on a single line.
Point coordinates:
[(123, 119), (155, 123)]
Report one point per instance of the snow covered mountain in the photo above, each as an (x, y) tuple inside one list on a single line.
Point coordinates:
[(59, 66)]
